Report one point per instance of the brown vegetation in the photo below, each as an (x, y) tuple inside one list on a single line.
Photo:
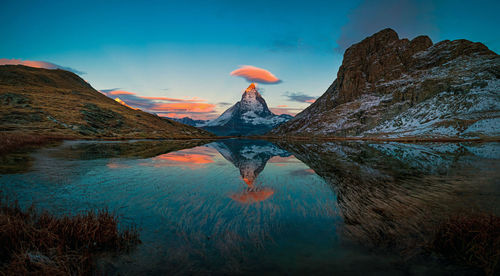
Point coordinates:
[(44, 244), (58, 103), (14, 141), (470, 239)]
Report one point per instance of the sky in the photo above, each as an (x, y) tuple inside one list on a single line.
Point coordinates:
[(195, 58)]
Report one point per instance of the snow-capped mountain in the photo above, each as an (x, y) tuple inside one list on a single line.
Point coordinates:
[(249, 116), (188, 121), (391, 87)]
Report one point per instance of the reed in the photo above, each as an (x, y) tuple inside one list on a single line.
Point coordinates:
[(472, 239), (13, 141), (40, 243)]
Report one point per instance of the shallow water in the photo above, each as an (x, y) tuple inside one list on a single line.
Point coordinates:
[(249, 206)]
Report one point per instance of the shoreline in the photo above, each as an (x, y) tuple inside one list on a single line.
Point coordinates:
[(10, 142)]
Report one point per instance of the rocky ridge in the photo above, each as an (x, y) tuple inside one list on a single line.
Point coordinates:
[(391, 87)]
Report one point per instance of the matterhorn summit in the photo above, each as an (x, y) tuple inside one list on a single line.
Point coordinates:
[(249, 116)]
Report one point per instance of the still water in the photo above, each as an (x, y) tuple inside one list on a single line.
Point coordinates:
[(248, 206)]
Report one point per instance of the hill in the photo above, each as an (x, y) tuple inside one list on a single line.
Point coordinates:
[(58, 103)]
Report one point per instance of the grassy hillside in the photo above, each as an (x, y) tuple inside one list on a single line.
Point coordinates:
[(58, 103)]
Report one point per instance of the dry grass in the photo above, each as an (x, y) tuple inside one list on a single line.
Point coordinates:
[(13, 141), (54, 103), (43, 244), (472, 239)]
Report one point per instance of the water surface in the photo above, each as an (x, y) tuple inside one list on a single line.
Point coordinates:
[(249, 206)]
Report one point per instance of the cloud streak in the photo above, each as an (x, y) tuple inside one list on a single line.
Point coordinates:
[(409, 18), (299, 97), (38, 64), (255, 74), (278, 110), (194, 107)]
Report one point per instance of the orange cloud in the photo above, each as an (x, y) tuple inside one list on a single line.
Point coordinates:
[(193, 107), (37, 64), (191, 158), (311, 101), (185, 107), (282, 105), (279, 159), (121, 92), (255, 74), (172, 115), (253, 196), (117, 166), (194, 99), (278, 110)]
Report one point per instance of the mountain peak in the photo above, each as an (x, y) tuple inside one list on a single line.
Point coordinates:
[(251, 87), (250, 115), (399, 87)]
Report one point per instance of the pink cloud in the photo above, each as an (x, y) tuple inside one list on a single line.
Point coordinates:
[(194, 99), (278, 110), (255, 74), (186, 107), (121, 92), (37, 64), (193, 107)]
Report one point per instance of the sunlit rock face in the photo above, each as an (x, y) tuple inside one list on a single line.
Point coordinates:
[(395, 87), (250, 157), (249, 116)]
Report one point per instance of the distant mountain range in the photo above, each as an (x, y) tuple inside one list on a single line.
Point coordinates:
[(391, 87), (249, 116), (59, 103), (189, 121)]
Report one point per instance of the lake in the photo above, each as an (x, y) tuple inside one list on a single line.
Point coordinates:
[(241, 206)]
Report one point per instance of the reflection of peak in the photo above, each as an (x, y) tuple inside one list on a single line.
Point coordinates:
[(249, 181), (249, 156)]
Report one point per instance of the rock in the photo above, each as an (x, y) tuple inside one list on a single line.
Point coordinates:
[(388, 86), (39, 258), (100, 120), (21, 117), (14, 100)]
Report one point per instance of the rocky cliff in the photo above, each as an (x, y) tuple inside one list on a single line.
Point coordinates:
[(393, 87)]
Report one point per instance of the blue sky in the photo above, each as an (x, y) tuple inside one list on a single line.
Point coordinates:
[(187, 49)]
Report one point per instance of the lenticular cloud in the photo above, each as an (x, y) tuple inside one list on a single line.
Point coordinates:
[(255, 74)]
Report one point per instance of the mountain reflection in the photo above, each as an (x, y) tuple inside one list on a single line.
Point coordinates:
[(394, 194), (250, 157)]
